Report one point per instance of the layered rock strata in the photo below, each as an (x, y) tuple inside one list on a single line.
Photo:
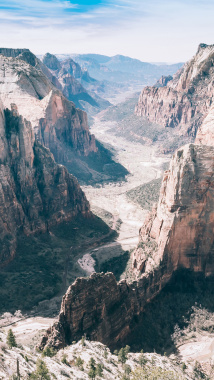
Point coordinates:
[(35, 192), (185, 101)]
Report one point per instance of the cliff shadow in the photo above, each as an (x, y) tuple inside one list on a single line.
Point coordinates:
[(173, 309), (96, 168), (115, 264), (44, 264)]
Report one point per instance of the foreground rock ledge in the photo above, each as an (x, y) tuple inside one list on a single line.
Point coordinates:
[(102, 309)]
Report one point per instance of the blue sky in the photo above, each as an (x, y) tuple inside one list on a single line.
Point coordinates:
[(150, 30)]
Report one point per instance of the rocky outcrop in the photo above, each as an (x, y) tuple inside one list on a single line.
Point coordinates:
[(186, 100), (102, 309), (35, 192), (162, 82)]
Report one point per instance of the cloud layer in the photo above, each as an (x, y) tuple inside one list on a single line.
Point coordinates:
[(155, 30)]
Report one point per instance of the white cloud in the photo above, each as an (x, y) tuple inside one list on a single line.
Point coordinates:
[(155, 30)]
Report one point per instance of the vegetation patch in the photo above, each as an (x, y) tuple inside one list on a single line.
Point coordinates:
[(146, 195)]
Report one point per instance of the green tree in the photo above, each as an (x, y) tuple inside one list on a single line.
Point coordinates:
[(92, 369), (99, 370), (183, 367), (127, 349), (41, 372), (11, 340), (127, 369), (83, 341), (49, 351), (122, 355), (142, 360), (105, 353), (79, 361), (64, 359)]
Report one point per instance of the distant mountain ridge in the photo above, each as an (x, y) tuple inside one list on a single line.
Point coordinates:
[(120, 68)]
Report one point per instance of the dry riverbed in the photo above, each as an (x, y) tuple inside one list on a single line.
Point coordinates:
[(144, 165)]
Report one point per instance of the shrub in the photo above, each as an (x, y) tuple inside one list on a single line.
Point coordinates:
[(83, 341), (64, 359), (122, 355), (49, 351), (79, 362)]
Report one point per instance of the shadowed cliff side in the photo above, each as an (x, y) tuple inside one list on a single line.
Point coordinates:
[(36, 193)]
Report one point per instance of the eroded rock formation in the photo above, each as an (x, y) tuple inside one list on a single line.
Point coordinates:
[(102, 309), (35, 192), (185, 101)]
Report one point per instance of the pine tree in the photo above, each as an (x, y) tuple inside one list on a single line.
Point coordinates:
[(122, 355), (41, 371), (92, 370), (11, 340), (99, 370)]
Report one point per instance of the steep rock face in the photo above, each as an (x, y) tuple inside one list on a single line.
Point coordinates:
[(35, 192), (183, 223), (56, 121), (102, 309), (205, 134), (186, 100)]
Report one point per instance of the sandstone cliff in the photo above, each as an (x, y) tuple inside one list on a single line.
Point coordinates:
[(182, 225), (185, 101), (35, 192)]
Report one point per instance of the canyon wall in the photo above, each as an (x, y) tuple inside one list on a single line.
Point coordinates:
[(184, 101), (35, 192)]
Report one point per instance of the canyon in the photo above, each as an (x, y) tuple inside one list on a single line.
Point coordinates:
[(177, 235), (42, 197)]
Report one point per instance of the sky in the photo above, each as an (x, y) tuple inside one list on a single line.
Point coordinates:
[(149, 30)]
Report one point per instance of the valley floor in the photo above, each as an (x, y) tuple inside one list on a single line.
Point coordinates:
[(126, 215)]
